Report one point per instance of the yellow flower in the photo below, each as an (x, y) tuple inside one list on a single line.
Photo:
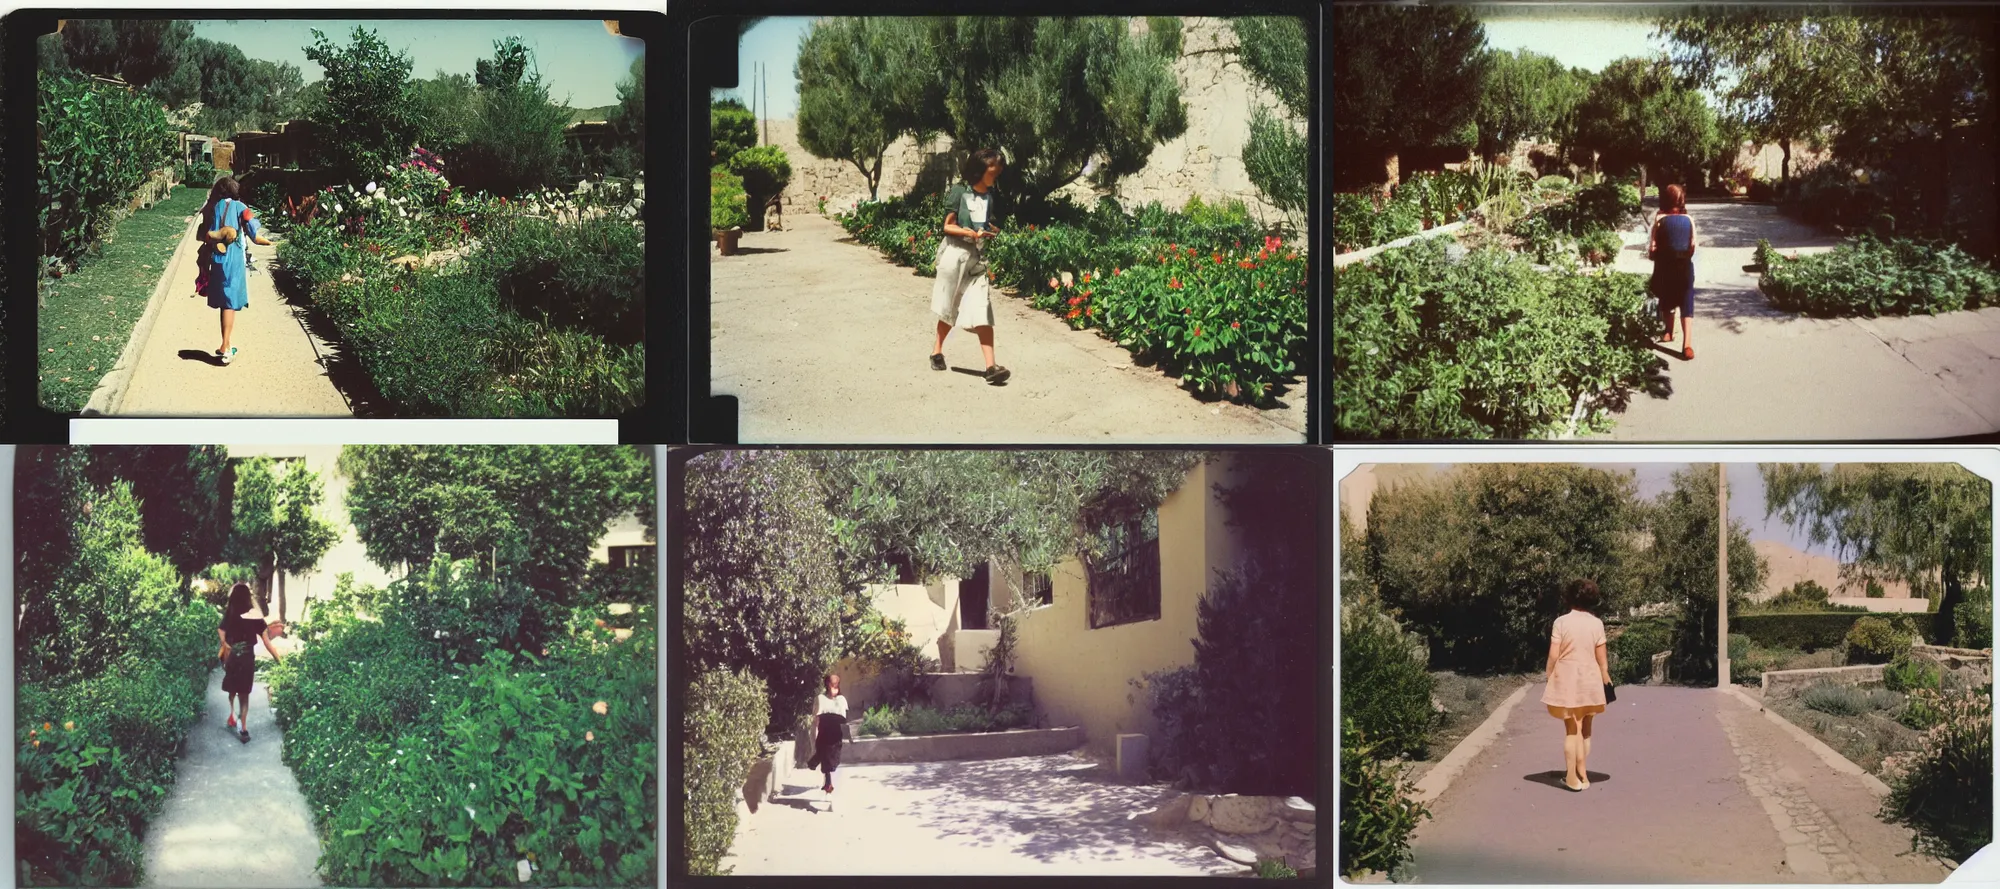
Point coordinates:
[(601, 708), (69, 726), (38, 743), (48, 726), (588, 736)]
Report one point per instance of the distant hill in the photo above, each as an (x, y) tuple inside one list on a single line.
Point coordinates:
[(1790, 565), (601, 112)]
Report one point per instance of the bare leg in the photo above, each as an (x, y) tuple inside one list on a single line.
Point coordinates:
[(1572, 751), (1583, 754), (243, 715), (985, 334), (1687, 330), (942, 329), (1667, 321), (228, 327)]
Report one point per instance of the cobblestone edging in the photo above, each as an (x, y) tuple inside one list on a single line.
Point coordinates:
[(1814, 845)]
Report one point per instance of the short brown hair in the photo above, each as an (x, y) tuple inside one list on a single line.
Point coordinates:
[(975, 164), (1673, 197), (226, 187), (1581, 594)]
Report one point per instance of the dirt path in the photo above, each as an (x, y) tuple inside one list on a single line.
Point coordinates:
[(1025, 816), (1762, 374), (1687, 786), (823, 340), (277, 372), (235, 817)]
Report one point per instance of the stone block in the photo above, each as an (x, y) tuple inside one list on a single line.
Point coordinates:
[(1170, 816), (1242, 814), (1198, 809), (1132, 758), (1297, 810)]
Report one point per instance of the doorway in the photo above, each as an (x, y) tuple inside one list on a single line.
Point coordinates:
[(973, 599)]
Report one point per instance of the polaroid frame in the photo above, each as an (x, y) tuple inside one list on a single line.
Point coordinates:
[(657, 419), (706, 29), (674, 736)]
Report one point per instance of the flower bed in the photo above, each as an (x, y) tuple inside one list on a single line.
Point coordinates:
[(1867, 277), (1430, 199), (1487, 347), (917, 719), (540, 313), (1177, 288)]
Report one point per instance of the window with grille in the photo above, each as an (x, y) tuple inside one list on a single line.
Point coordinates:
[(1125, 580), (1041, 589), (632, 557)]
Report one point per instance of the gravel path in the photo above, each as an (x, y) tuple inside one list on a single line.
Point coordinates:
[(823, 340), (1761, 374), (235, 817)]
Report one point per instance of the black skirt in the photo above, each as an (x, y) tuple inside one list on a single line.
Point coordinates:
[(240, 668), (826, 742)]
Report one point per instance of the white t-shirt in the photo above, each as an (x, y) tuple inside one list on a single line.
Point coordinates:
[(836, 704), (975, 206)]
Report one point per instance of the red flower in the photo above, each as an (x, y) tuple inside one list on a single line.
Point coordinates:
[(1190, 251), (1116, 272), (1075, 300), (1272, 243), (1218, 259), (1263, 254), (1291, 256), (1173, 246), (1091, 312), (1175, 283), (1187, 311), (1086, 295), (1235, 324), (395, 288), (1247, 264), (1073, 313), (1086, 277), (1197, 330)]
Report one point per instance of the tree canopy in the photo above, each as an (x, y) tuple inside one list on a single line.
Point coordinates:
[(276, 525), (137, 51), (365, 118), (1683, 523), (1772, 67), (1405, 77), (1638, 115), (1899, 521), (861, 83), (1527, 95), (184, 493)]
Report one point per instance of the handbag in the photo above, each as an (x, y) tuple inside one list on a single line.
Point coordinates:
[(1610, 693)]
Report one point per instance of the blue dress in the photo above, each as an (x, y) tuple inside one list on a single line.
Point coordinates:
[(1673, 264), (228, 284)]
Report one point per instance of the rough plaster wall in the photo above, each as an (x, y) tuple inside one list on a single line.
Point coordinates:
[(1206, 160)]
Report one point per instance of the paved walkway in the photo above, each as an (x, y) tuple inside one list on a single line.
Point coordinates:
[(235, 817), (1687, 786), (1025, 816), (277, 373), (823, 340), (1762, 374)]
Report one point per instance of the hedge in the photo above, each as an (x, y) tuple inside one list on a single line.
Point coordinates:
[(1806, 631), (726, 713)]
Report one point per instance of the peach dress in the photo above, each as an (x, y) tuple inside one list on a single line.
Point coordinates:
[(1576, 688)]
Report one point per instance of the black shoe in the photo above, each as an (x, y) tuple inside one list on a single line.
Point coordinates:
[(937, 361), (243, 734), (997, 374)]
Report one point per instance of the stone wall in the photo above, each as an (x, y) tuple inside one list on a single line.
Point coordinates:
[(1206, 160)]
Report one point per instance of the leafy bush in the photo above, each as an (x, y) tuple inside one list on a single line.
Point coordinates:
[(1868, 277), (1600, 247), (727, 202), (918, 719), (98, 143), (1875, 640), (1838, 700), (1947, 793), (1631, 654), (1908, 674), (765, 169), (584, 274), (1805, 631), (1275, 869), (1974, 620), (1384, 667), (1377, 815), (726, 713), (879, 721), (1363, 221), (200, 175), (1748, 662), (1484, 347), (732, 128)]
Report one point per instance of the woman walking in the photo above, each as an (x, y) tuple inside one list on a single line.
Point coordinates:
[(223, 276), (1577, 675), (963, 296), (1671, 248), (830, 728), (242, 627)]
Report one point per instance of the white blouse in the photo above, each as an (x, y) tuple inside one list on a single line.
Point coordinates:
[(976, 205), (836, 704)]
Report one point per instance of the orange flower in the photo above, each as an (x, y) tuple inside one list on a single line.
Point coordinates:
[(69, 726), (38, 743), (1072, 313), (1218, 259), (48, 726), (1291, 256), (1086, 277), (1175, 283), (1075, 299), (1115, 272), (1248, 264), (1093, 311), (1197, 331), (590, 736), (601, 708)]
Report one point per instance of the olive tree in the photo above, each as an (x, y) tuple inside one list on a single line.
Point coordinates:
[(1274, 52)]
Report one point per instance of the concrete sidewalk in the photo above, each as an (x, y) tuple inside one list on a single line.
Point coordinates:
[(277, 372), (823, 340), (236, 816), (1025, 816), (1761, 374), (1688, 785)]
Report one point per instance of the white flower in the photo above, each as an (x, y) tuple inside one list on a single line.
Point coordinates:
[(521, 869), (469, 813), (339, 209), (371, 188)]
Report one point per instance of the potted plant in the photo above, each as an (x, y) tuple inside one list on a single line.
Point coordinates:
[(726, 209), (766, 171)]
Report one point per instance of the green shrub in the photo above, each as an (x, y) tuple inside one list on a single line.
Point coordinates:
[(1875, 640), (727, 202), (765, 170), (1908, 674), (97, 145), (1377, 814), (1363, 221), (1838, 700), (1386, 691), (1600, 247), (879, 721), (1925, 707), (1749, 662), (1275, 869), (1631, 654), (587, 274), (1868, 277), (1484, 347), (732, 128), (1974, 620), (726, 713), (1947, 794), (1804, 631)]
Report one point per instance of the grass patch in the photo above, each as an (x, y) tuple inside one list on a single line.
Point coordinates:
[(87, 315)]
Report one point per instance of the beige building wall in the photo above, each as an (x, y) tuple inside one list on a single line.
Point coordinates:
[(1085, 676), (1207, 160)]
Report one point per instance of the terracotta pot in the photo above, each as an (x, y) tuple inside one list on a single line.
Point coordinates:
[(725, 241)]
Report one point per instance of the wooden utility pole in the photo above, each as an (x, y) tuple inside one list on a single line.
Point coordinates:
[(1721, 575)]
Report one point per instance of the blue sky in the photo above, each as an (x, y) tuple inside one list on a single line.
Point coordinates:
[(581, 62), (774, 42)]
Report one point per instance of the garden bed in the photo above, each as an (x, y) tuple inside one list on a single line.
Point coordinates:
[(1467, 702), (964, 745), (1865, 736)]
